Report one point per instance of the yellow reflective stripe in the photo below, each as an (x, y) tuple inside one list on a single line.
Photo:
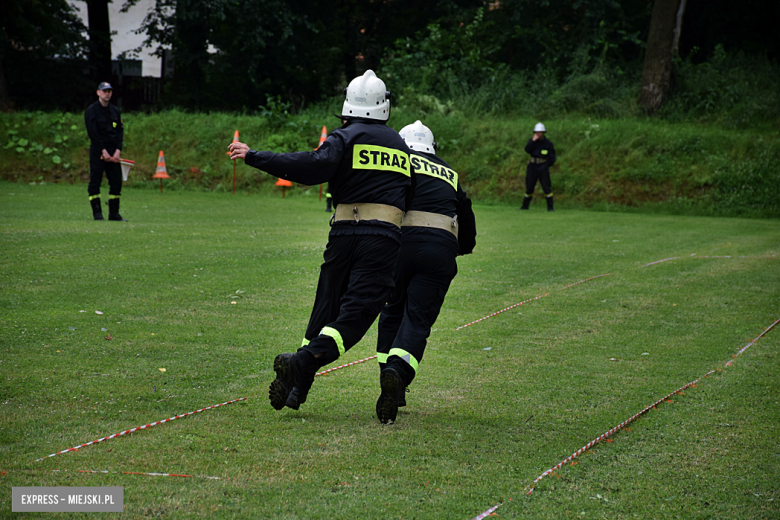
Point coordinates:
[(405, 356), (550, 195), (113, 197), (382, 357), (333, 333), (426, 167), (545, 152), (93, 197), (304, 342), (370, 157)]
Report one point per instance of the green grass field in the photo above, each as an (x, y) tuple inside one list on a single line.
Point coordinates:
[(211, 286)]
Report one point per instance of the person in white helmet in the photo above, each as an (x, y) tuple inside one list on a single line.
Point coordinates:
[(366, 164), (538, 169), (438, 226)]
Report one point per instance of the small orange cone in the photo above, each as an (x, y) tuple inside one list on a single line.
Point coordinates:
[(161, 172), (235, 140), (284, 183), (323, 136)]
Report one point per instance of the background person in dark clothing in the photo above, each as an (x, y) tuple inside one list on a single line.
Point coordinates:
[(438, 226), (542, 158), (366, 164), (106, 133)]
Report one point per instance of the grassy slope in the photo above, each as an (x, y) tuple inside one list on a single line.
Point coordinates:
[(679, 168), (480, 425)]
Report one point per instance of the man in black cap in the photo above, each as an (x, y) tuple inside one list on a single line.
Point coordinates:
[(106, 132)]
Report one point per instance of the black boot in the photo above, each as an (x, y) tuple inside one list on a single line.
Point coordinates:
[(113, 210), (97, 212), (526, 201), (328, 205), (400, 398), (550, 203), (393, 388), (294, 377), (307, 370)]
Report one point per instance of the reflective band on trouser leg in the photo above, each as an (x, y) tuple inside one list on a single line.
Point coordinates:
[(336, 335), (93, 197), (549, 195), (382, 357), (113, 197), (304, 342), (406, 357)]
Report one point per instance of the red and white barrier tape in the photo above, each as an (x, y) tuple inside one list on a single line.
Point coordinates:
[(585, 280), (625, 423), (502, 310), (743, 349), (141, 473), (487, 513), (344, 366), (664, 260), (146, 426), (529, 300), (611, 431), (139, 428)]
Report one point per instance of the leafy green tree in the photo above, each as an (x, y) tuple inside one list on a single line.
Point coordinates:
[(42, 54)]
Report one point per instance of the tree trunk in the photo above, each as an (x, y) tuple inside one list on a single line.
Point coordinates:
[(5, 102), (662, 42), (99, 39)]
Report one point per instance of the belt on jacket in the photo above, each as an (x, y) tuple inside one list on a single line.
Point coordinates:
[(537, 160), (431, 220), (358, 212)]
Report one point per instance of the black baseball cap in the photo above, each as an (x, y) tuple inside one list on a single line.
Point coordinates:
[(105, 86)]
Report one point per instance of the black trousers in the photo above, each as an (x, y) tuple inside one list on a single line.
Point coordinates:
[(422, 278), (112, 170), (534, 173), (355, 281)]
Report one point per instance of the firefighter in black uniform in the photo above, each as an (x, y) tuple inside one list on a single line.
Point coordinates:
[(542, 158), (106, 133), (367, 166), (438, 226)]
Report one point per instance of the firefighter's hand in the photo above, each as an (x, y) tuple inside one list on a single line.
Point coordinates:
[(115, 158), (105, 156), (238, 150)]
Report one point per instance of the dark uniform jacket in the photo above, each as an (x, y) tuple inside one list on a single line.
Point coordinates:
[(364, 161), (541, 149), (104, 127), (438, 190)]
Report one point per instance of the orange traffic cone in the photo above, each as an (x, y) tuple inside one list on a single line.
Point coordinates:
[(284, 183), (161, 172), (323, 136), (235, 140)]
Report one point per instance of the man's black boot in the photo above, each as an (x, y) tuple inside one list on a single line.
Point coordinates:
[(550, 203), (113, 210), (285, 368), (97, 212), (387, 404), (526, 202), (307, 366)]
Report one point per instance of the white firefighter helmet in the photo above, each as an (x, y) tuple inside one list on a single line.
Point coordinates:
[(539, 127), (366, 97), (418, 137)]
